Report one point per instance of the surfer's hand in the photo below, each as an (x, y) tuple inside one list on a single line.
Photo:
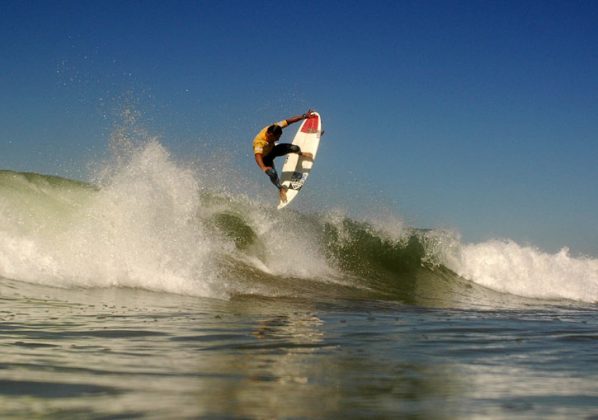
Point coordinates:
[(308, 113)]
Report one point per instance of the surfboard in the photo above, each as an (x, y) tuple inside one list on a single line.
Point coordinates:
[(296, 170)]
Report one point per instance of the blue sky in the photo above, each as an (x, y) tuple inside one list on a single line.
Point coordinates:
[(474, 115)]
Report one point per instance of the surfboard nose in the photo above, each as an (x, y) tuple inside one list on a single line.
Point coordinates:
[(311, 124)]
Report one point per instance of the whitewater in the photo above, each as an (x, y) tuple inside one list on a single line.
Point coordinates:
[(149, 292)]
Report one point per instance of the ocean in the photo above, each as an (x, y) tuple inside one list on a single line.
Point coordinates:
[(145, 293)]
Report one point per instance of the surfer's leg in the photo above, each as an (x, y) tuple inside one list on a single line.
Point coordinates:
[(293, 148), (281, 150), (273, 175), (306, 155), (269, 159), (284, 149), (282, 190)]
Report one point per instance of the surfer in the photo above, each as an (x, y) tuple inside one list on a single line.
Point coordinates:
[(265, 150)]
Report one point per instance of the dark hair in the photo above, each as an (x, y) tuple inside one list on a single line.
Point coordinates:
[(275, 129)]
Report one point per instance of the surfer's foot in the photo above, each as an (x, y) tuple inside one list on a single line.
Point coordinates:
[(283, 194), (307, 155)]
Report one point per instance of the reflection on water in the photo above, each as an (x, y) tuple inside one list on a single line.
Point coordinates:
[(130, 353)]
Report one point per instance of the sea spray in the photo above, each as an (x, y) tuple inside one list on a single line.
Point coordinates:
[(139, 231)]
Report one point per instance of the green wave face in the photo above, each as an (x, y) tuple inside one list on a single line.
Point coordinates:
[(33, 202), (363, 262)]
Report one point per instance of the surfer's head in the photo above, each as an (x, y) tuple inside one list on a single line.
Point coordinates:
[(274, 132)]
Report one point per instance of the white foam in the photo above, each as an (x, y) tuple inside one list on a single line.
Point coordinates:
[(508, 267)]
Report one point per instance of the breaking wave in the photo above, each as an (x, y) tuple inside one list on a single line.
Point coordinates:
[(148, 222)]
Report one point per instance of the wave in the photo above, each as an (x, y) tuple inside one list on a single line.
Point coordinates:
[(149, 222)]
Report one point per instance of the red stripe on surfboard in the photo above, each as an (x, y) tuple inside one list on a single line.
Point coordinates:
[(311, 125)]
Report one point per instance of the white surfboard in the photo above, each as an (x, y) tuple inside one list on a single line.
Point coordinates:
[(296, 170)]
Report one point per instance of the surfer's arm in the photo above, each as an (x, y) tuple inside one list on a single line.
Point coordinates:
[(299, 117)]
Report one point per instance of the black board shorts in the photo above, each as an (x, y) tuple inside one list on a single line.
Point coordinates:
[(280, 150)]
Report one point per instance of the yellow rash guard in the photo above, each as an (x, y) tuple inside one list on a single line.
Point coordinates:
[(260, 143)]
